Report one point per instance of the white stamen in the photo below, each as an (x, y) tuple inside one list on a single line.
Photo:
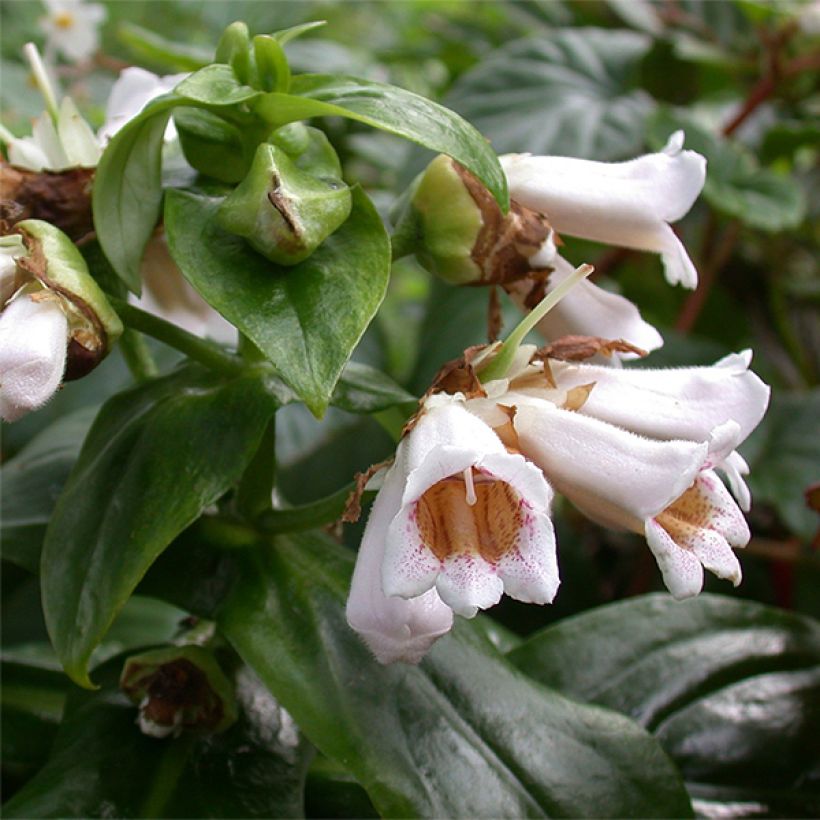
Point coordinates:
[(470, 496)]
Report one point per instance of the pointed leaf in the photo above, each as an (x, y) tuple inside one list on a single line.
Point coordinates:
[(306, 318), (154, 458)]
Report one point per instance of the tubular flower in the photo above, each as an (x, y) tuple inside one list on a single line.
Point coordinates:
[(621, 203), (459, 521), (638, 450)]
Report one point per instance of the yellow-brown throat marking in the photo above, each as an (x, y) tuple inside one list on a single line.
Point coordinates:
[(470, 512)]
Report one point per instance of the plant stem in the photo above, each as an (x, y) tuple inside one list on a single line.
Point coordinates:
[(308, 516), (500, 364), (253, 495), (712, 262), (169, 769), (137, 355), (207, 353)]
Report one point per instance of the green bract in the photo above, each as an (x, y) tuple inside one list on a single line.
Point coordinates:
[(285, 213)]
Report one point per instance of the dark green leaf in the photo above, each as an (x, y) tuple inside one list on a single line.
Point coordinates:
[(735, 184), (784, 453), (102, 765), (420, 739), (154, 458), (306, 318), (390, 109), (32, 482), (568, 92), (729, 687), (363, 389)]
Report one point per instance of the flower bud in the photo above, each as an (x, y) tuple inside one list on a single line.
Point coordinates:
[(463, 235), (55, 262), (272, 70), (284, 212), (234, 49), (179, 688)]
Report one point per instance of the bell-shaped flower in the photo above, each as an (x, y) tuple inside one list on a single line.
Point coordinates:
[(629, 204), (394, 629), (72, 28), (638, 450), (459, 521), (33, 334)]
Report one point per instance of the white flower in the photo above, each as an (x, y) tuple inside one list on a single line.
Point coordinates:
[(627, 203), (133, 90), (11, 248), (638, 450), (33, 337), (72, 28), (459, 520)]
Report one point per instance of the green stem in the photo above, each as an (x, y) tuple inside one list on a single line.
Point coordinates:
[(499, 365), (405, 238), (253, 495), (308, 516), (137, 355), (168, 771), (207, 353)]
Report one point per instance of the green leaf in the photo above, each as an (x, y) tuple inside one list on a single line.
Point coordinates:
[(32, 482), (214, 85), (306, 318), (729, 688), (569, 92), (102, 765), (420, 739), (735, 185), (784, 453), (390, 109), (127, 189), (154, 458), (364, 389), (151, 47)]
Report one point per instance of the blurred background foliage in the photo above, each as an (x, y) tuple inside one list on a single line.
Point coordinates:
[(604, 80)]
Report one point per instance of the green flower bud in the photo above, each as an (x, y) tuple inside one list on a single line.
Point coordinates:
[(272, 69), (214, 146), (234, 49), (54, 260), (309, 148), (284, 212), (179, 688), (459, 232)]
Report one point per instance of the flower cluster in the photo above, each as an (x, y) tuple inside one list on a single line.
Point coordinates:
[(463, 515)]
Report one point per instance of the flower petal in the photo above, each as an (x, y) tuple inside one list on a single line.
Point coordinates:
[(588, 310), (614, 476), (626, 203), (682, 572), (394, 629), (685, 403), (33, 338)]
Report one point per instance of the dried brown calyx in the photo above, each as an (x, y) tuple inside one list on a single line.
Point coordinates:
[(62, 198)]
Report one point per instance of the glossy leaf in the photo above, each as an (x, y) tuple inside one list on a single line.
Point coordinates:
[(568, 92), (735, 184), (32, 482), (729, 687), (420, 739), (390, 109), (102, 765), (215, 85), (306, 318), (154, 458)]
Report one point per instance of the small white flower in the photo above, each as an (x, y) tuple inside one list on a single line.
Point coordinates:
[(459, 521), (629, 204), (72, 28), (33, 338), (641, 450), (133, 90)]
